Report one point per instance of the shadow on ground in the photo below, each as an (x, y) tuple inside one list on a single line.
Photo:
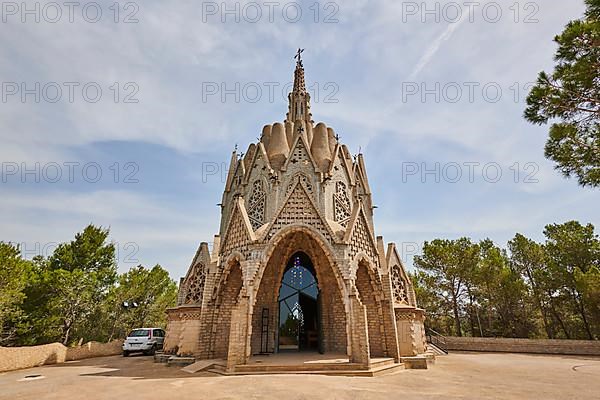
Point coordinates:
[(134, 366)]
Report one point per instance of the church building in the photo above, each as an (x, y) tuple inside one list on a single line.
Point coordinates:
[(296, 265)]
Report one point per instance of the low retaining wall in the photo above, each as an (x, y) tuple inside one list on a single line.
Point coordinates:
[(536, 346), (12, 358)]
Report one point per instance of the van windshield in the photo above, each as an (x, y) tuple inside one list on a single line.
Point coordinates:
[(139, 333)]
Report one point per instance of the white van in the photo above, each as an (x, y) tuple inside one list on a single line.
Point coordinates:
[(146, 340)]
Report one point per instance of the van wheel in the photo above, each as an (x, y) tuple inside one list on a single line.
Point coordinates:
[(151, 351), (125, 353)]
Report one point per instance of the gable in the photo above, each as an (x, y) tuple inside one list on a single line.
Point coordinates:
[(339, 166), (359, 237), (238, 234), (402, 288), (299, 208), (259, 165), (299, 155)]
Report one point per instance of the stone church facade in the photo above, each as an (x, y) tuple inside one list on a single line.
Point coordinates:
[(296, 201)]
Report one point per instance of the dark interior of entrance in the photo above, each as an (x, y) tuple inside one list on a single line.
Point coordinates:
[(299, 316)]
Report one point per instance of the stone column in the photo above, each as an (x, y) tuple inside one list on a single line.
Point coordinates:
[(359, 334), (389, 319), (189, 330), (411, 333), (391, 332), (171, 344), (239, 338)]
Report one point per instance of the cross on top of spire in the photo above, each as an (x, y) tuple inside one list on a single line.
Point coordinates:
[(298, 57), (299, 98), (299, 85)]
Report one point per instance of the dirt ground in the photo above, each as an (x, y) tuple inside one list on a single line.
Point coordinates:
[(456, 376)]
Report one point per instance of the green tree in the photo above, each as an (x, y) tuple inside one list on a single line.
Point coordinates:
[(14, 273), (69, 287), (428, 296), (528, 258), (572, 251), (571, 95), (151, 290), (451, 263), (588, 284), (503, 292)]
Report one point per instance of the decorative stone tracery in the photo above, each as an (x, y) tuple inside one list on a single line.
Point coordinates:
[(236, 238), (304, 179), (361, 240), (257, 204), (399, 285), (341, 202), (196, 282), (299, 209)]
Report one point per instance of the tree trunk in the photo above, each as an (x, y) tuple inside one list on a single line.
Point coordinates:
[(538, 300), (456, 315), (560, 321), (581, 308), (471, 319), (66, 333)]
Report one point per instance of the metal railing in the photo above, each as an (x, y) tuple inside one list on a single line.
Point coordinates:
[(436, 339)]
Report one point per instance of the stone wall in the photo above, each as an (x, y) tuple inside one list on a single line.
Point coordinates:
[(12, 358), (542, 346), (374, 315)]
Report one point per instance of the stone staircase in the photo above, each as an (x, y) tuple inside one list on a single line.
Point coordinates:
[(435, 350), (377, 368)]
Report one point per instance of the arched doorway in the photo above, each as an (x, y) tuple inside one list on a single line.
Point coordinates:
[(266, 304), (299, 314)]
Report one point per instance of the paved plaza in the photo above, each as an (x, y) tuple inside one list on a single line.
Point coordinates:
[(456, 376)]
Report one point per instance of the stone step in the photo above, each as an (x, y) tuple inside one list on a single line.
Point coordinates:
[(180, 361), (380, 362), (416, 362), (435, 350), (300, 367), (317, 366), (203, 365), (387, 369), (161, 357), (380, 367)]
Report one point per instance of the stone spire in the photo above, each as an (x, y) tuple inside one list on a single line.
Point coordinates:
[(299, 98)]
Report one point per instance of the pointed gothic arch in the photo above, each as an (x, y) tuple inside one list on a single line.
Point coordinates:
[(267, 283)]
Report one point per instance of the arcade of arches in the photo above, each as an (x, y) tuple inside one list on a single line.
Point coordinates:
[(296, 265)]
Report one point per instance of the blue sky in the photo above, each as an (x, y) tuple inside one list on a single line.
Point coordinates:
[(370, 69)]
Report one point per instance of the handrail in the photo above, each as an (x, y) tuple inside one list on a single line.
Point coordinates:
[(436, 339)]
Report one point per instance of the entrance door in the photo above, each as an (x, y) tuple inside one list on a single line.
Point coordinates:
[(299, 322)]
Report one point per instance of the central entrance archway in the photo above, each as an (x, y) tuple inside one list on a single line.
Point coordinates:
[(299, 315), (324, 323)]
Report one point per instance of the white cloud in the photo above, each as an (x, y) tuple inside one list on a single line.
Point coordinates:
[(369, 54)]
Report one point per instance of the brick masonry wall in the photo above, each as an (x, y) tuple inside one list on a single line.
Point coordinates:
[(229, 298), (542, 346), (374, 317), (13, 358)]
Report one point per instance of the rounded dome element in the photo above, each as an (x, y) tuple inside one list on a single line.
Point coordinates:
[(289, 132), (265, 138), (249, 156), (332, 140), (320, 147), (279, 148)]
